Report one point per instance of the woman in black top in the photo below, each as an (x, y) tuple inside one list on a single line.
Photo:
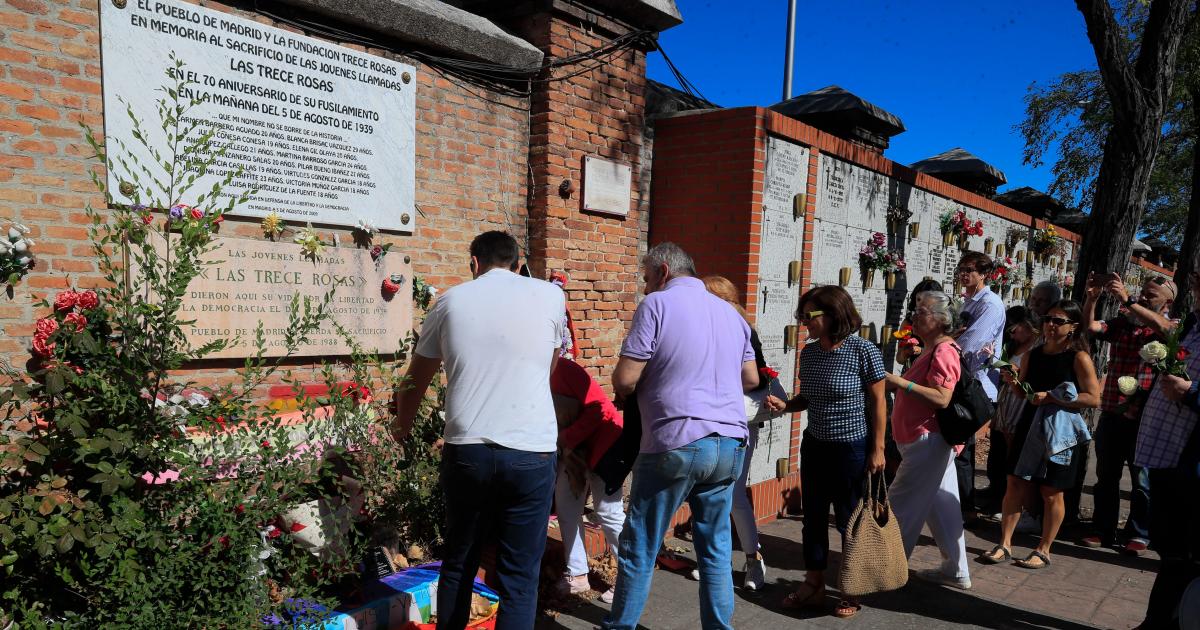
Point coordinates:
[(1063, 358)]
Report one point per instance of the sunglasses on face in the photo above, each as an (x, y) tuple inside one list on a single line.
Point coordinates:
[(811, 315), (964, 270), (1057, 321)]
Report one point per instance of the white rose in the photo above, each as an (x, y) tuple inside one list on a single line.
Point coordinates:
[(1153, 352), (1128, 385), (5, 247), (14, 234), (20, 246)]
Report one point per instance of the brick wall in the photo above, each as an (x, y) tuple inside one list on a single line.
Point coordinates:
[(597, 113), (471, 160)]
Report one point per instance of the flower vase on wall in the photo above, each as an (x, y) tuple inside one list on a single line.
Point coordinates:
[(963, 241), (948, 239), (844, 276), (987, 246), (889, 280), (1000, 251), (914, 229), (869, 279)]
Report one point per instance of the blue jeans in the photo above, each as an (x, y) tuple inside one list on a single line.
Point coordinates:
[(1116, 437), (703, 474), (494, 490), (831, 474)]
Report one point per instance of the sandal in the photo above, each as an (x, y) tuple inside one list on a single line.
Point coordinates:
[(846, 609), (1035, 560), (798, 598), (998, 554)]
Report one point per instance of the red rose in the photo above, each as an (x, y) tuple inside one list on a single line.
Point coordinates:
[(360, 393), (224, 541), (376, 251), (274, 532), (41, 347), (1181, 355), (240, 509), (66, 300), (265, 444), (196, 214), (147, 218), (88, 300), (768, 372), (390, 288), (46, 326), (79, 321)]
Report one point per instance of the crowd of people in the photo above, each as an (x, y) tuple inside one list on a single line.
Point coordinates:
[(528, 429)]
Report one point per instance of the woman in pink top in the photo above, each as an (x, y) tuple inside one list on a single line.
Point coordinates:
[(926, 487)]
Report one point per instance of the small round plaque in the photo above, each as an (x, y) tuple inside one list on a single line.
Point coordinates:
[(406, 77), (404, 218), (120, 4), (407, 259)]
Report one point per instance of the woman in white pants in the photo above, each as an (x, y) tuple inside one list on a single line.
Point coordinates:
[(607, 508), (925, 491)]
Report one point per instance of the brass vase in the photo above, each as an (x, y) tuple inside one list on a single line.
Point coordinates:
[(999, 251), (963, 241), (1021, 256), (889, 280), (948, 239), (869, 279), (885, 334), (987, 246), (914, 229), (844, 276), (864, 331)]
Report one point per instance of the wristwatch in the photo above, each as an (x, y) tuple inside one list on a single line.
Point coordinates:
[(1130, 301)]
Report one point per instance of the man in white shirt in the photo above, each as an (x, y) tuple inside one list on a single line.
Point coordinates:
[(498, 336)]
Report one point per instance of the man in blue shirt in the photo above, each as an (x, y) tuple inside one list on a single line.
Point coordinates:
[(980, 340)]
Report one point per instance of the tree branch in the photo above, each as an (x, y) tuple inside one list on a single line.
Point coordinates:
[(1112, 57), (1161, 39)]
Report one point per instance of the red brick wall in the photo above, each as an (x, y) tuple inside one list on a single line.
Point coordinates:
[(472, 160), (598, 113)]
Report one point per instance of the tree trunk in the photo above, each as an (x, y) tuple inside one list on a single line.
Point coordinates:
[(1190, 249)]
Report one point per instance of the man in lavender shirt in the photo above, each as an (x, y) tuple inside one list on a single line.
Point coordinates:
[(688, 356)]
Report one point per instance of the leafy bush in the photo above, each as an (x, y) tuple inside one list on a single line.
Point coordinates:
[(130, 497)]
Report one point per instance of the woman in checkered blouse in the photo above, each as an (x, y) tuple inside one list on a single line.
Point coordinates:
[(841, 387)]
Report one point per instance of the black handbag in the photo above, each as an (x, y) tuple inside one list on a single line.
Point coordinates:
[(969, 409)]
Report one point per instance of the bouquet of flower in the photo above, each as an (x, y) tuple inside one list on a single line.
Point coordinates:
[(1013, 236), (905, 336), (16, 254), (1166, 358), (898, 214), (956, 222), (1001, 277), (875, 255), (1044, 240)]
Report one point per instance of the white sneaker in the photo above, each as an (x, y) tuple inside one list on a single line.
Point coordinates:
[(1029, 524), (756, 574), (937, 577), (695, 574), (607, 596)]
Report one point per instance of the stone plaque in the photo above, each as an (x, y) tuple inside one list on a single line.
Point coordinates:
[(607, 186), (324, 133), (774, 442), (253, 281)]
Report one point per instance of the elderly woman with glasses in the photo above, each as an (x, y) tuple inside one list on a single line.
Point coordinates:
[(926, 485), (841, 386), (1062, 360)]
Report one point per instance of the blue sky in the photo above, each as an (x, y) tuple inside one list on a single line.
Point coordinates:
[(954, 71)]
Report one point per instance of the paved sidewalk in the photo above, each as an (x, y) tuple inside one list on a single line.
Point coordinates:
[(1083, 588)]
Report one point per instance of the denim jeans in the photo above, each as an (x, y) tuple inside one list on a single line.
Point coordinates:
[(1174, 523), (494, 490), (831, 474), (701, 473), (1116, 438)]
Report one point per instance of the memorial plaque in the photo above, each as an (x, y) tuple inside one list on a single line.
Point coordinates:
[(324, 133), (254, 281), (832, 185), (607, 186), (782, 239), (774, 442)]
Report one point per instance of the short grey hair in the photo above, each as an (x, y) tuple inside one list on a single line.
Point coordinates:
[(1052, 287), (941, 306), (673, 256)]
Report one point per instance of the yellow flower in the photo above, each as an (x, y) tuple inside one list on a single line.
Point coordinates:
[(272, 225)]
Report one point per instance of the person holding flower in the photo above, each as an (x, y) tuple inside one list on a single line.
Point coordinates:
[(1168, 445), (742, 511), (841, 386), (1053, 371), (1143, 319)]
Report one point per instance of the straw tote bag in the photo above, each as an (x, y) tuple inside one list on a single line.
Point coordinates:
[(873, 557)]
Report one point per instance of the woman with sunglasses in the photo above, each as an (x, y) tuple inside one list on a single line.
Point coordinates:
[(1062, 358), (926, 486), (841, 386)]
